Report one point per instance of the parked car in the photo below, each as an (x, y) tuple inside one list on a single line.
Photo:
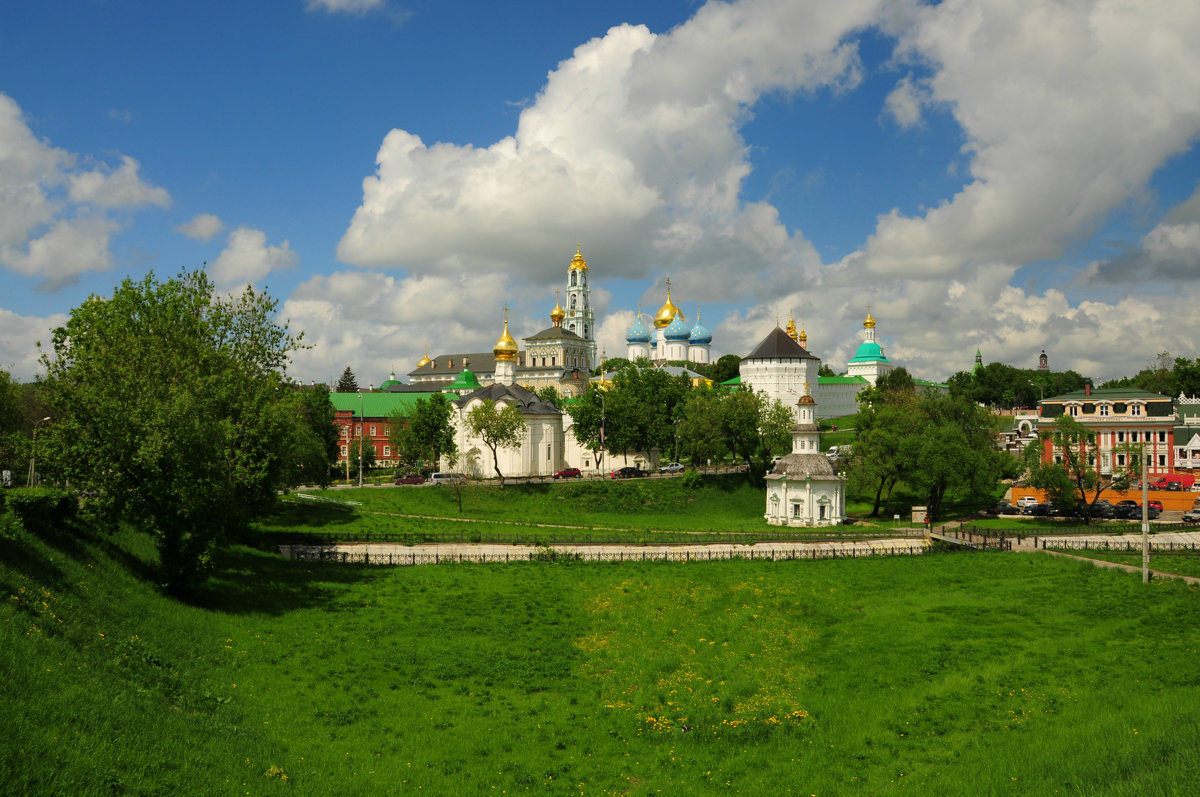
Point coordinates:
[(1126, 509), (1039, 510), (628, 472), (568, 473), (671, 467), (1101, 509), (446, 478), (410, 478), (1191, 516), (1026, 500), (1155, 504), (1003, 508)]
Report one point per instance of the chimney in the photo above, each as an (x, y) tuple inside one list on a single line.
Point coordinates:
[(1087, 389)]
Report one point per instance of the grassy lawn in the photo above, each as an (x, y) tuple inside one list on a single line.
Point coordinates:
[(634, 510), (945, 674), (1186, 565)]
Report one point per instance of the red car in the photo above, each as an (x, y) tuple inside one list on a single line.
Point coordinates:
[(410, 478), (1154, 504), (568, 473)]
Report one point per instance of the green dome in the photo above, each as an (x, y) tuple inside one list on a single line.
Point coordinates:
[(465, 383), (869, 351)]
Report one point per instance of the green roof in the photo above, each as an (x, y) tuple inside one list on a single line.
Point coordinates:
[(841, 380), (869, 351), (1110, 394), (466, 381), (376, 405)]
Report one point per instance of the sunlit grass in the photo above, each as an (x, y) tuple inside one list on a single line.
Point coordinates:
[(948, 674)]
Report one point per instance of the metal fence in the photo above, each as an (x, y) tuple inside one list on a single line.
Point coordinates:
[(1121, 546), (409, 558)]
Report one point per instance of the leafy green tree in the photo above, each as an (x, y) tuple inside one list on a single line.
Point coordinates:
[(10, 420), (755, 429), (825, 370), (1187, 377), (498, 426), (368, 456), (611, 364), (726, 367), (953, 451), (171, 410), (641, 408), (699, 426), (883, 425), (898, 382), (1072, 476), (347, 383), (425, 434), (319, 416), (587, 422), (550, 395)]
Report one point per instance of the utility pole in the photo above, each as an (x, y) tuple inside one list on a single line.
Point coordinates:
[(1145, 513)]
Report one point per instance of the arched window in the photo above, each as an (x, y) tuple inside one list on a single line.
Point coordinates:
[(573, 273), (572, 301)]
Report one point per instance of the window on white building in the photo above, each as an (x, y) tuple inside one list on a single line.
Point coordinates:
[(1120, 437), (1135, 409), (795, 510), (1073, 410), (1162, 437), (1103, 410)]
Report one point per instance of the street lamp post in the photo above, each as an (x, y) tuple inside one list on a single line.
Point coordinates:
[(361, 429), (33, 453)]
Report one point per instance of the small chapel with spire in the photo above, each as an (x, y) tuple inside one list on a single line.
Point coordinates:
[(803, 489)]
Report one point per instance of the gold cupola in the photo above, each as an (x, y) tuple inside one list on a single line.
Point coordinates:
[(424, 361), (868, 322), (558, 314), (803, 337), (791, 327), (666, 314), (577, 262), (505, 348)]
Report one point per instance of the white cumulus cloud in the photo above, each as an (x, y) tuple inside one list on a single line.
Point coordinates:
[(114, 188), (247, 258), (202, 227)]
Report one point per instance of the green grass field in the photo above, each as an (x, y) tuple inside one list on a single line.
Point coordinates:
[(942, 674)]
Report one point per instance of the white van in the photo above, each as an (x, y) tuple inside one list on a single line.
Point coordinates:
[(446, 478), (1026, 500)]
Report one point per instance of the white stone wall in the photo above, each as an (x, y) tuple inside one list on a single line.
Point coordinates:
[(837, 400), (781, 379), (540, 453), (802, 502)]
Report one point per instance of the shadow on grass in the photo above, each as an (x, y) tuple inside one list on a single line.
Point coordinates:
[(292, 515), (249, 581)]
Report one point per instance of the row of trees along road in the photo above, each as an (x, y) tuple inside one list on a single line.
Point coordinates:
[(934, 444), (171, 410)]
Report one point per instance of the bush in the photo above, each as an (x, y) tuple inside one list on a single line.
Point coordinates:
[(692, 480), (40, 509), (11, 526)]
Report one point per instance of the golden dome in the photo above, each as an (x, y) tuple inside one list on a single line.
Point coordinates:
[(869, 322), (557, 314), (577, 262), (791, 327), (803, 335), (424, 361), (666, 314), (506, 347)]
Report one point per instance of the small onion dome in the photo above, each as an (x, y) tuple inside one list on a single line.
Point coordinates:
[(677, 330), (700, 334), (791, 327), (803, 338), (465, 383), (637, 333), (505, 348), (577, 262), (868, 322), (557, 314), (424, 361), (806, 399), (667, 313), (389, 382)]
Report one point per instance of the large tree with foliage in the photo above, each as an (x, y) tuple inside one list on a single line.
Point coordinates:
[(171, 411), (755, 429), (882, 427), (319, 415), (10, 420), (347, 382), (498, 426), (1072, 476), (699, 426), (641, 408), (587, 421), (425, 433)]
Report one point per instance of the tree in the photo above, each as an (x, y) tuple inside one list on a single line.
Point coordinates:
[(587, 422), (10, 420), (171, 410), (641, 407), (699, 426), (1072, 476), (347, 383), (877, 463), (368, 456), (755, 429), (550, 395), (319, 416), (425, 433), (498, 426), (726, 367)]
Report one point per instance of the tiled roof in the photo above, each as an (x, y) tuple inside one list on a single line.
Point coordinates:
[(778, 345), (376, 405)]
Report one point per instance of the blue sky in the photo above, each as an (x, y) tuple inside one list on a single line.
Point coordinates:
[(1004, 175)]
